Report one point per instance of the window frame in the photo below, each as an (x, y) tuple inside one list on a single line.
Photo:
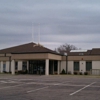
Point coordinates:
[(16, 65), (76, 69), (24, 64), (88, 68)]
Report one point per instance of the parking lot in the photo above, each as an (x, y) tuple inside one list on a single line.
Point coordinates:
[(30, 87)]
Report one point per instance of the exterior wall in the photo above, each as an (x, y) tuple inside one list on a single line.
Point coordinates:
[(54, 57), (63, 65), (7, 66), (4, 58), (0, 66), (1, 55), (64, 58), (95, 64), (82, 66), (13, 67), (36, 56), (96, 67), (85, 58), (19, 65), (29, 56), (70, 66), (59, 65)]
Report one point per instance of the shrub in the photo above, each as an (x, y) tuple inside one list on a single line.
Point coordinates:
[(21, 72), (75, 73), (80, 73), (4, 72), (63, 72), (85, 73)]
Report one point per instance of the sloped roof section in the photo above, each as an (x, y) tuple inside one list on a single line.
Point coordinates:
[(94, 51), (27, 48)]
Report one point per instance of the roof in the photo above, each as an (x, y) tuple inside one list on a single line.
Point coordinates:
[(27, 48), (78, 51), (94, 51)]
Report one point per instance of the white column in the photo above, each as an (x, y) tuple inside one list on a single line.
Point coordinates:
[(13, 67), (19, 65), (82, 66), (1, 66), (58, 67), (47, 67), (7, 66)]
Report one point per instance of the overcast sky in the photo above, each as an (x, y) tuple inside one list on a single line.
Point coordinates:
[(75, 22)]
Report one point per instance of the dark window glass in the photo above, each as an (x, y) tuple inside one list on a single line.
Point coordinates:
[(76, 66), (55, 65), (16, 65), (4, 66), (88, 66), (24, 66)]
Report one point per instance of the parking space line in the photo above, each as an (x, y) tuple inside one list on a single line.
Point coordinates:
[(37, 89), (45, 87), (12, 86), (82, 89)]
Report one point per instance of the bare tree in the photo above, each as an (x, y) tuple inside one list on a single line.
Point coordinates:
[(65, 48)]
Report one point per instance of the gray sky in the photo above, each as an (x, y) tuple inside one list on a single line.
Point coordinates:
[(75, 22)]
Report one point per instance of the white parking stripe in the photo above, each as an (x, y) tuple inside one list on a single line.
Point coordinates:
[(82, 88), (45, 87), (37, 89), (12, 86)]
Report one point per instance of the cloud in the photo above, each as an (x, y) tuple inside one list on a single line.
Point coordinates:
[(61, 21)]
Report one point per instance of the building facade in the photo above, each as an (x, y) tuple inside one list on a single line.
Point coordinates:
[(35, 59), (84, 61), (31, 58)]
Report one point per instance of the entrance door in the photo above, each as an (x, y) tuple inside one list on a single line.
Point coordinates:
[(37, 67)]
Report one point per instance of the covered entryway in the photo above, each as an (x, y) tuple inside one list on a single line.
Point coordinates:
[(53, 67), (37, 67)]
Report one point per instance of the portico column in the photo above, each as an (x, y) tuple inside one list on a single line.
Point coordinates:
[(1, 66), (47, 67), (13, 67), (58, 67)]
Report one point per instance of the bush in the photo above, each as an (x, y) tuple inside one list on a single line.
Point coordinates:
[(63, 72), (4, 72), (21, 72), (85, 73), (80, 73), (75, 73)]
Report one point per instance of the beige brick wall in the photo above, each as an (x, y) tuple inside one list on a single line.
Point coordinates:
[(63, 65), (70, 66)]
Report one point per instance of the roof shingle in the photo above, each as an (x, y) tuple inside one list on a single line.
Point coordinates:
[(27, 48)]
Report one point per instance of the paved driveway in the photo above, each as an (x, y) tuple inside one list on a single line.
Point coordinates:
[(30, 87)]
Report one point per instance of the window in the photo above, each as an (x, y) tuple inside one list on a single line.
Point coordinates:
[(55, 65), (88, 66), (76, 66), (16, 65), (4, 66), (24, 66), (81, 54)]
